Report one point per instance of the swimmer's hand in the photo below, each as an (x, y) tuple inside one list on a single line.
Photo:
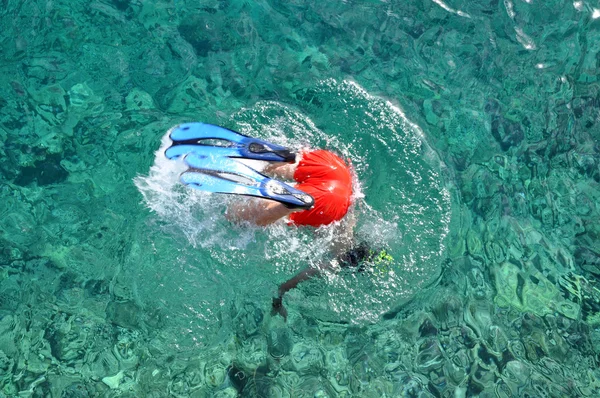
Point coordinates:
[(278, 308)]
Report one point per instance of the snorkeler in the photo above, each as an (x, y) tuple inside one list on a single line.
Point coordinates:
[(321, 196), (213, 154)]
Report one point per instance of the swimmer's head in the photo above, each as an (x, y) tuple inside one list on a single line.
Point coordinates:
[(363, 253)]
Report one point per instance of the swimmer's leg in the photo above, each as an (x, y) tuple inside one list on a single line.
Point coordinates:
[(281, 170), (260, 212)]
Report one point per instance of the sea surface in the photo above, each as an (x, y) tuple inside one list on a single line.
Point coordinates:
[(473, 130)]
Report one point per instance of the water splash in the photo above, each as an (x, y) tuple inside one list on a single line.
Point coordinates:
[(400, 203)]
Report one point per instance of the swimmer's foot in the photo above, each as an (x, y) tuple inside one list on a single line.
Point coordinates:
[(278, 308)]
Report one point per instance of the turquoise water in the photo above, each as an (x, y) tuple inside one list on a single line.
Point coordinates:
[(473, 131)]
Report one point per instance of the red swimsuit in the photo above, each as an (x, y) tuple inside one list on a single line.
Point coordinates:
[(325, 177)]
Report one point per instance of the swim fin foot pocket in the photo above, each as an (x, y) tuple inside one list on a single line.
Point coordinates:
[(210, 152)]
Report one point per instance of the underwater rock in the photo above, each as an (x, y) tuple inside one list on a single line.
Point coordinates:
[(494, 252), (59, 256), (430, 115), (196, 31), (551, 369), (482, 378), (103, 363), (189, 95), (427, 328), (69, 386), (178, 386), (340, 382), (449, 312), (122, 289), (194, 375), (251, 354), (279, 342), (478, 288), (502, 390), (283, 384), (68, 338), (517, 350), (46, 171), (228, 392), (478, 315), (125, 349), (379, 387), (152, 377), (50, 104), (306, 358), (530, 292), (459, 226), (313, 386), (9, 329), (78, 390), (37, 364), (496, 341), (555, 341), (82, 96), (411, 385), (506, 132), (588, 260), (458, 367), (214, 373), (71, 298), (474, 245), (237, 376), (429, 357), (364, 368), (10, 297), (539, 386), (6, 365), (125, 314), (248, 320), (113, 381), (335, 360), (260, 382), (138, 100)]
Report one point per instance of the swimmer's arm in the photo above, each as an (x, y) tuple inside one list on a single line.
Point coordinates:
[(304, 275), (340, 245), (292, 283)]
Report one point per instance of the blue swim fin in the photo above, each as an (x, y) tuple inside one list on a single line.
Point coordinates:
[(203, 138), (219, 174)]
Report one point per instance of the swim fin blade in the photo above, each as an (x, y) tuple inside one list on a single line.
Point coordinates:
[(204, 139), (219, 174)]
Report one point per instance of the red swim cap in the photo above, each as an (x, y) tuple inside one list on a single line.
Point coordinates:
[(327, 178)]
